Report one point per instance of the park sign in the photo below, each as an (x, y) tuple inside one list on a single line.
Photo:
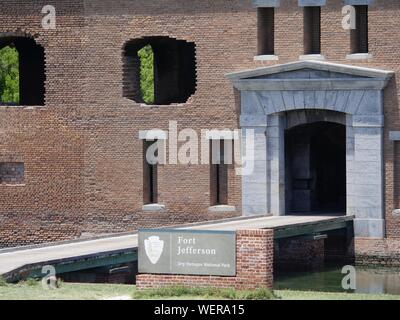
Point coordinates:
[(187, 252)]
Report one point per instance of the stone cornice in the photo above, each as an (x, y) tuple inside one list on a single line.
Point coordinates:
[(354, 78), (316, 65), (309, 84)]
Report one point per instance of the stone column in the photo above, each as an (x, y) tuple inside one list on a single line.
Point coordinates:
[(254, 184), (365, 177), (276, 164)]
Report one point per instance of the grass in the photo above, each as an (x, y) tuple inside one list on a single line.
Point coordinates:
[(33, 290), (3, 282), (315, 295), (204, 293)]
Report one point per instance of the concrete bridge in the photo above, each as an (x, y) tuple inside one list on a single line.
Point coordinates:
[(77, 255)]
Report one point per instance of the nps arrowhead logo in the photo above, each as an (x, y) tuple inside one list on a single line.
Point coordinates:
[(154, 248)]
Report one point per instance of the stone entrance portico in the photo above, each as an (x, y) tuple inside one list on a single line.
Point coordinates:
[(280, 97)]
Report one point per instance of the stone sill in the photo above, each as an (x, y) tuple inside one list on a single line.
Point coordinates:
[(266, 57), (159, 106), (319, 57), (394, 135), (222, 208), (396, 212), (153, 207), (12, 184), (359, 56), (153, 106), (24, 107)]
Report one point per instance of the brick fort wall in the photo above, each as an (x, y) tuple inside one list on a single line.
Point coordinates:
[(83, 172)]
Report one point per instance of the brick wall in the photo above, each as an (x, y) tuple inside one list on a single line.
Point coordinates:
[(82, 155), (299, 253), (254, 267), (379, 252)]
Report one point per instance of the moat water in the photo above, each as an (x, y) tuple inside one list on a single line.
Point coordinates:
[(329, 279)]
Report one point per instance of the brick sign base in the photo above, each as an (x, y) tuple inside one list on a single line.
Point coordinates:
[(254, 265)]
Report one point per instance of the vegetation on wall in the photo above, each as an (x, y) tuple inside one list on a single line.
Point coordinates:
[(9, 75), (146, 56)]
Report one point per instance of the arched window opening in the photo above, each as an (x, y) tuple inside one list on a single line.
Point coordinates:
[(159, 70), (22, 72)]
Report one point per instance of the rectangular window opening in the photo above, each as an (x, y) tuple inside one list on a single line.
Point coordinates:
[(219, 173), (150, 170), (12, 172), (312, 30), (266, 31), (359, 35)]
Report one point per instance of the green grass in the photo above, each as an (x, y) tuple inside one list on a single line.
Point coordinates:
[(3, 282), (33, 290), (314, 295), (203, 293)]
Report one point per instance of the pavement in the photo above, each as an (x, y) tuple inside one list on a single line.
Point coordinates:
[(11, 260)]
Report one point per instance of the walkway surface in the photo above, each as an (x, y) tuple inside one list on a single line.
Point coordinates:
[(14, 259)]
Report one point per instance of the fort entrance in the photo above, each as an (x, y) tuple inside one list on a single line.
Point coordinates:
[(318, 132), (315, 168)]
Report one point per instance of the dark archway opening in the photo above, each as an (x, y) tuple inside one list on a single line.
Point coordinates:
[(173, 70), (30, 77), (316, 168)]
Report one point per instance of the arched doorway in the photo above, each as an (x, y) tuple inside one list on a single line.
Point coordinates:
[(315, 168)]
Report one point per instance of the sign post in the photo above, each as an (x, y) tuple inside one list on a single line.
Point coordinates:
[(187, 252)]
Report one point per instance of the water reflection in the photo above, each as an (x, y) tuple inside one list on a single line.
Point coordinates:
[(368, 280)]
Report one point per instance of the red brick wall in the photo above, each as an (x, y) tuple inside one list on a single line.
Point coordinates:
[(299, 253), (380, 252), (82, 156), (254, 267)]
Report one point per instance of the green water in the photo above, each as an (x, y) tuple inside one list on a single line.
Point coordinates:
[(368, 280)]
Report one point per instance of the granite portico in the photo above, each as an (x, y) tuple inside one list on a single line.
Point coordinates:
[(280, 97)]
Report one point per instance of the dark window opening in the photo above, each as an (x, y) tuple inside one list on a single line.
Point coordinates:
[(219, 173), (12, 172), (359, 35), (312, 30), (170, 65), (266, 31), (150, 170), (316, 168), (22, 72)]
